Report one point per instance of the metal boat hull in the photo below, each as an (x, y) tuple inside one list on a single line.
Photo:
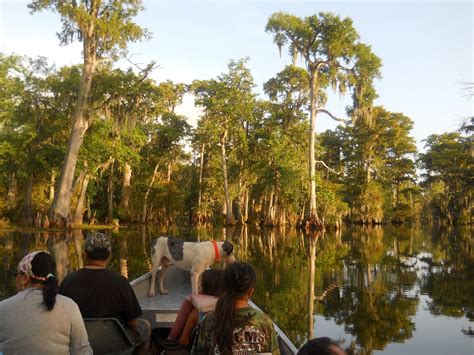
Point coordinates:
[(161, 310)]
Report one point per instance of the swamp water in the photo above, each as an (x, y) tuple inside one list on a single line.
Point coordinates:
[(394, 290)]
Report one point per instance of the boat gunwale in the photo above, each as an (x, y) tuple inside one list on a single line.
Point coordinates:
[(279, 332)]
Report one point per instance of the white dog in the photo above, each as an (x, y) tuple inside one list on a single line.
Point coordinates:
[(192, 256)]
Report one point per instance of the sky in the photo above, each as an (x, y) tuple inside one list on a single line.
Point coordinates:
[(426, 49)]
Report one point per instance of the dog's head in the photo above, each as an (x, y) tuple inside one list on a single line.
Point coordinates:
[(228, 248)]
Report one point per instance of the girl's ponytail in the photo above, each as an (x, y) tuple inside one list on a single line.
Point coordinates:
[(225, 322), (50, 290), (238, 279), (43, 266)]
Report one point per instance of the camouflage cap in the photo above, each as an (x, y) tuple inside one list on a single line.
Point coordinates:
[(96, 241)]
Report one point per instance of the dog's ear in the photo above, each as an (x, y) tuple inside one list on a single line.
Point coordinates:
[(227, 247)]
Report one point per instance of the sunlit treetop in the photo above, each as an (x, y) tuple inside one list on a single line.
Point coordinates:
[(109, 23)]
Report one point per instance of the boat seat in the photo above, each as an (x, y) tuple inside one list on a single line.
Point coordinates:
[(108, 336)]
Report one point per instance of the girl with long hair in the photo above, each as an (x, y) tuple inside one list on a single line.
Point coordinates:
[(235, 327), (193, 307), (37, 320)]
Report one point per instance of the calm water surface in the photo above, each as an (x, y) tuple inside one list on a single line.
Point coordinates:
[(391, 290)]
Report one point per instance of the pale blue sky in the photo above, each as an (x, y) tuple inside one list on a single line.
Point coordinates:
[(426, 48)]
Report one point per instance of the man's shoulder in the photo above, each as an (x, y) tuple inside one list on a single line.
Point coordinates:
[(74, 274), (99, 273), (116, 277)]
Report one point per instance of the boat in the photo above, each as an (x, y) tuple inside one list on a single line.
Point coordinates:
[(161, 310)]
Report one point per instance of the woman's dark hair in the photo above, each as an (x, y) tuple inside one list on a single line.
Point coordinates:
[(238, 279), (211, 281), (44, 266), (320, 346)]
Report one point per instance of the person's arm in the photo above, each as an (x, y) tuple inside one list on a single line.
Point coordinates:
[(200, 345), (131, 308), (191, 322), (180, 322), (79, 342), (273, 340), (132, 323)]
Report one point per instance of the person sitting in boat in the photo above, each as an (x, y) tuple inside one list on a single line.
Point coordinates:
[(194, 307), (101, 293), (321, 346), (37, 320), (236, 327)]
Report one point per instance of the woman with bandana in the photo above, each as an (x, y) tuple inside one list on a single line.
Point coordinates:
[(37, 320)]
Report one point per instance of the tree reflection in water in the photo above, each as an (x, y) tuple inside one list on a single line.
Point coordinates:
[(366, 280), (449, 276), (372, 305)]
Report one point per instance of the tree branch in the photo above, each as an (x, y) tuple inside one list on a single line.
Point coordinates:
[(332, 116), (343, 67), (321, 63), (327, 167), (145, 71)]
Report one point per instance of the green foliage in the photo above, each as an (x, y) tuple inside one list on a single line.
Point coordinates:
[(448, 165), (365, 169), (330, 203), (367, 206), (108, 23)]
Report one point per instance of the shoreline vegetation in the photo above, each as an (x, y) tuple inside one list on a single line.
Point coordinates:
[(92, 143)]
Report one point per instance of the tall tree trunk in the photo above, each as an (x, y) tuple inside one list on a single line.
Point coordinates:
[(313, 213), (110, 193), (303, 209), (169, 170), (201, 170), (226, 185), (397, 201), (60, 207), (79, 211), (269, 211), (27, 217), (125, 197), (368, 168), (246, 206), (12, 190), (145, 199), (240, 217), (51, 186)]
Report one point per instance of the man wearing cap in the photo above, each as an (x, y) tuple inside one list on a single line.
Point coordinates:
[(101, 293)]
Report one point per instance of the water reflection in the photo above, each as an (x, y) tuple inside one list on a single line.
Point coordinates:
[(367, 286), (312, 240)]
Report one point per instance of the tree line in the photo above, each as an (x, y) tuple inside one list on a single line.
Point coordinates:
[(97, 143)]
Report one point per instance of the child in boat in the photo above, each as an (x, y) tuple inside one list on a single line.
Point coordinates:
[(195, 305), (235, 327)]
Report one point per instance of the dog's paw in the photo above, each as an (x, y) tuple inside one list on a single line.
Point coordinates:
[(164, 292), (151, 294)]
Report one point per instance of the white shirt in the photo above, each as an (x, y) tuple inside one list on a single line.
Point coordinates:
[(26, 327)]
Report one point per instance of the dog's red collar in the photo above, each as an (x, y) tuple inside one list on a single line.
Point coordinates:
[(216, 250)]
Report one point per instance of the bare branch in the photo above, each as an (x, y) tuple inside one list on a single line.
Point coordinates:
[(149, 68), (321, 63), (327, 167), (340, 66), (332, 116)]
